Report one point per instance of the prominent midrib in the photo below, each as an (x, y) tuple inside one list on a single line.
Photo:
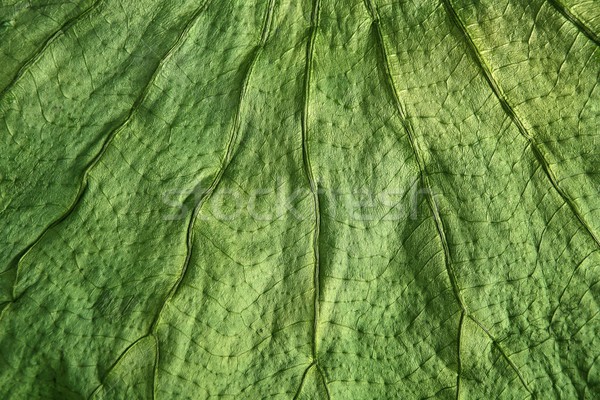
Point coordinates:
[(575, 20), (310, 48)]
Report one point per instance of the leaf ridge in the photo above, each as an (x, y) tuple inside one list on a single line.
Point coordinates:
[(228, 152), (84, 183), (44, 46), (215, 182), (303, 379), (508, 109), (114, 365), (512, 365), (322, 374), (310, 50), (155, 366), (107, 141), (459, 361), (372, 8), (424, 180), (575, 20)]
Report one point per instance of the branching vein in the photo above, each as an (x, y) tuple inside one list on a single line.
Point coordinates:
[(15, 264), (509, 110), (424, 180), (46, 44)]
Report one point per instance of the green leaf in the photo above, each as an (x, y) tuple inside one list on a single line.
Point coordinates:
[(300, 199)]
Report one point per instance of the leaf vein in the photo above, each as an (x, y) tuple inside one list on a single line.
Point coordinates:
[(15, 263), (509, 110), (575, 20), (310, 50), (459, 361), (114, 365), (303, 379), (216, 180), (46, 44), (500, 348), (418, 157)]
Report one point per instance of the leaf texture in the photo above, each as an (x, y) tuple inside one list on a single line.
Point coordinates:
[(300, 199)]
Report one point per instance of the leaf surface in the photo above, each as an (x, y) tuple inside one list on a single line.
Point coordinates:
[(300, 199)]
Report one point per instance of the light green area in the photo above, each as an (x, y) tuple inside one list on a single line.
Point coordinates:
[(300, 199)]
